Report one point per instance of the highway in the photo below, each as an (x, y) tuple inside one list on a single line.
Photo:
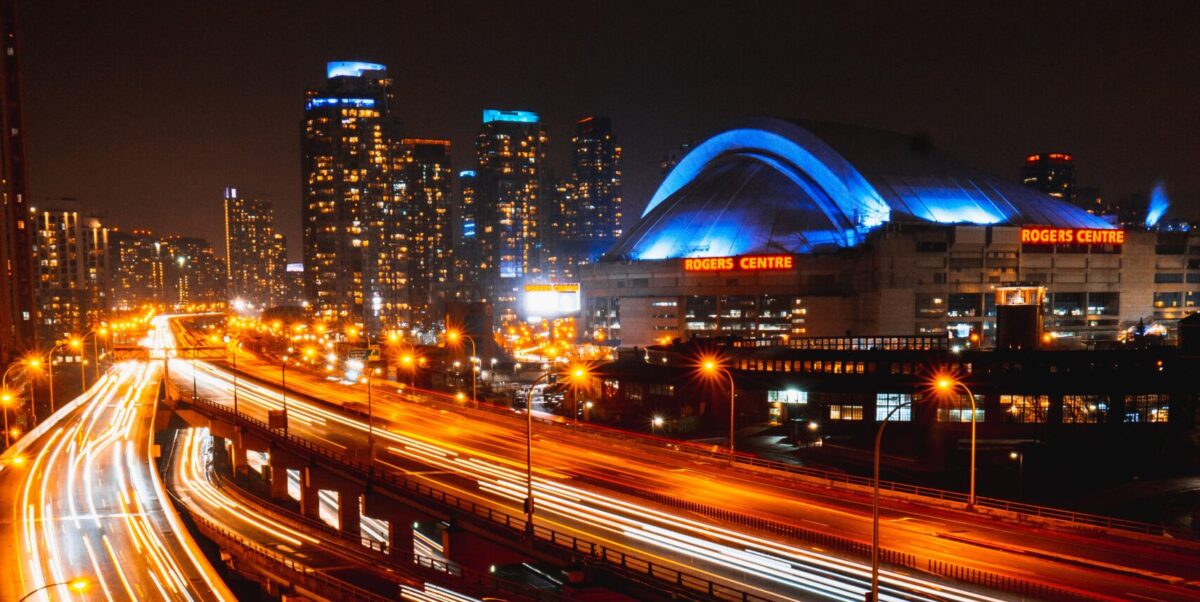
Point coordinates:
[(83, 500), (483, 460)]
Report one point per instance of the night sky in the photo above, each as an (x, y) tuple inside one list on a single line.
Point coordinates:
[(147, 110)]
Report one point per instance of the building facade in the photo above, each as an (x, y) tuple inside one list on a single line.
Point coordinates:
[(355, 247), (255, 254), (1051, 173), (779, 229), (511, 153), (136, 277), (427, 188), (17, 309), (596, 180), (72, 260), (193, 274)]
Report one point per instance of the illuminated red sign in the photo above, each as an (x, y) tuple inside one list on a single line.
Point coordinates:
[(745, 263), (1041, 235)]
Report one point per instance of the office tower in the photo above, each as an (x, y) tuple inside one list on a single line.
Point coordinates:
[(136, 275), (71, 255), (425, 177), (16, 235), (511, 152), (563, 247), (253, 250), (355, 254), (194, 275), (469, 262), (596, 176), (1051, 173), (293, 285), (280, 293)]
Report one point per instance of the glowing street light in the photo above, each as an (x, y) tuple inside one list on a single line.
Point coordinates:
[(578, 373), (709, 366), (454, 336), (77, 585), (947, 384)]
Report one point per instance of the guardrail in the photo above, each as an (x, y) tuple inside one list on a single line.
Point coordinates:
[(310, 578), (834, 477), (630, 567), (402, 561), (660, 573)]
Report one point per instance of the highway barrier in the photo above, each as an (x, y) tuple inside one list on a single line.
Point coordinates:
[(631, 568)]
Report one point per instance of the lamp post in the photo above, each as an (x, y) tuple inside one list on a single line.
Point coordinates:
[(6, 399), (283, 390), (407, 360), (454, 336), (578, 373), (948, 384), (1019, 456), (77, 344), (712, 367), (77, 585), (235, 397), (874, 593)]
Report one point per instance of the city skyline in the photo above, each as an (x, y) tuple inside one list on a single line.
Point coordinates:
[(998, 104)]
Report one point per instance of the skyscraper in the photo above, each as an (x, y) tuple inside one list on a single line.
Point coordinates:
[(193, 273), (596, 176), (355, 253), (16, 233), (510, 151), (1051, 173), (469, 262), (254, 252), (425, 177), (136, 270), (71, 250)]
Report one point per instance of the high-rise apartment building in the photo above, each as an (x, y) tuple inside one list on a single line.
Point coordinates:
[(136, 270), (255, 254), (511, 152), (16, 233), (71, 256), (596, 179), (469, 260), (193, 273), (425, 179), (1051, 173), (355, 248)]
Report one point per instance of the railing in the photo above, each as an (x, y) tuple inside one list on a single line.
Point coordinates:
[(311, 579), (400, 560), (627, 566), (631, 567)]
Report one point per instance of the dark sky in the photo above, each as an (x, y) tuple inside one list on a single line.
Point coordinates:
[(146, 110)]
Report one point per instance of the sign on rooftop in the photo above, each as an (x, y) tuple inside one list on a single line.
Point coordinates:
[(744, 263), (1046, 235)]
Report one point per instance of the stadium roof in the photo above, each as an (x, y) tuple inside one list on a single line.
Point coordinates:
[(775, 186)]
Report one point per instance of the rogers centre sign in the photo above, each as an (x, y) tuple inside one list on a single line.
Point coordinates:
[(745, 263), (1042, 235)]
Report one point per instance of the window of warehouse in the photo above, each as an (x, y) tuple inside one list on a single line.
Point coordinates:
[(1025, 408), (1083, 409), (959, 409), (1152, 407), (886, 402), (845, 412)]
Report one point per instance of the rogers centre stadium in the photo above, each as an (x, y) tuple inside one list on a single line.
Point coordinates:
[(779, 228)]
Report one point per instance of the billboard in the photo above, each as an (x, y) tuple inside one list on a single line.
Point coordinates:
[(551, 300)]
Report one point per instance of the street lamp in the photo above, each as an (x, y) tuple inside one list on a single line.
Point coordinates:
[(577, 373), (227, 340), (1019, 456), (947, 384), (454, 336), (77, 585), (28, 362), (408, 361), (359, 365), (77, 344), (874, 593), (283, 389), (711, 367), (6, 400)]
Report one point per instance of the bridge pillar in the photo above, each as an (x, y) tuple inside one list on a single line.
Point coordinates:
[(349, 512), (280, 461), (399, 518), (475, 552), (310, 498)]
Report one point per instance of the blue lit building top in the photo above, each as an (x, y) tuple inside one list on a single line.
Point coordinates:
[(775, 186), (340, 102), (466, 173), (351, 68), (490, 115)]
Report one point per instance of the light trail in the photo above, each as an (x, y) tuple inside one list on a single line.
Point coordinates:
[(762, 566), (86, 504)]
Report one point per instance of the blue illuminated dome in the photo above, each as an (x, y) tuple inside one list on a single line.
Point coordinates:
[(775, 186)]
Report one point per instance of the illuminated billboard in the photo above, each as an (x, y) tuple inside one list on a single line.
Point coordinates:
[(744, 263), (1045, 235), (550, 300)]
